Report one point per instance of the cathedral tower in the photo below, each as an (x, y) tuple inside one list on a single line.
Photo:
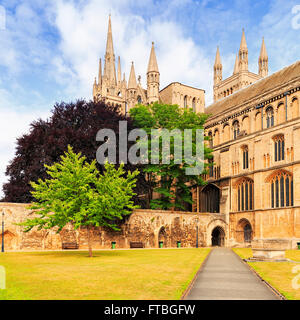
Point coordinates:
[(152, 78), (241, 76)]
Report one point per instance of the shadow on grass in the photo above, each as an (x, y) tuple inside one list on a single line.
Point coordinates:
[(96, 253)]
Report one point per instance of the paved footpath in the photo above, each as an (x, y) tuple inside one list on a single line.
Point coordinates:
[(226, 277)]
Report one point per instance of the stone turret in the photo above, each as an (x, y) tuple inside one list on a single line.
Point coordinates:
[(153, 78), (132, 88), (263, 60), (243, 54), (218, 68)]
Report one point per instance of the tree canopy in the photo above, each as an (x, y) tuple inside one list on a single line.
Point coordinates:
[(170, 180), (78, 193), (75, 123)]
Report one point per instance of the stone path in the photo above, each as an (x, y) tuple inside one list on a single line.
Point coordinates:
[(226, 277)]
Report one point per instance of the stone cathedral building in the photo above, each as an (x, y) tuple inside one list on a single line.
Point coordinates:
[(254, 131), (252, 195), (113, 88)]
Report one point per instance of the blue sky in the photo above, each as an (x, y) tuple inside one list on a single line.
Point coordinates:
[(50, 49)]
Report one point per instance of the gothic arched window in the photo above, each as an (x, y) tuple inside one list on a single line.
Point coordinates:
[(279, 147), (139, 99), (185, 102), (245, 199), (236, 129), (210, 137), (245, 157), (194, 104), (216, 137), (282, 190), (270, 117)]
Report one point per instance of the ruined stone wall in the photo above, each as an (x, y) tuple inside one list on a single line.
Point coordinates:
[(146, 226)]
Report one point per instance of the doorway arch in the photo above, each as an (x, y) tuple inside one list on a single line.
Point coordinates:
[(244, 231), (218, 237), (247, 233), (162, 236)]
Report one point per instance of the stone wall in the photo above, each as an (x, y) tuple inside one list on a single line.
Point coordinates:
[(147, 226), (271, 228)]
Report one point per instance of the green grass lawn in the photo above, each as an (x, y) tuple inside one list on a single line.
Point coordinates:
[(278, 274), (112, 274)]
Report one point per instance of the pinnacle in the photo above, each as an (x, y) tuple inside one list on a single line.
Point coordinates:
[(132, 84), (243, 44), (109, 43), (218, 57), (263, 50), (152, 66)]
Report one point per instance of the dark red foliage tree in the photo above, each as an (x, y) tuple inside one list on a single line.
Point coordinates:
[(74, 124)]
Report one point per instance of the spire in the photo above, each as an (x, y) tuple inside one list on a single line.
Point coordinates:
[(109, 42), (243, 54), (119, 70), (153, 78), (109, 66), (132, 79), (236, 65), (218, 58), (218, 68), (263, 51), (152, 66), (100, 73), (243, 44), (263, 60)]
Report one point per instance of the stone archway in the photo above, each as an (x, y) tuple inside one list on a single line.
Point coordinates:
[(244, 232), (9, 240), (162, 236), (218, 237), (213, 224)]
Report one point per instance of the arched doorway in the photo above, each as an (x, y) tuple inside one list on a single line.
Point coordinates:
[(162, 236), (244, 232), (210, 199), (9, 240), (218, 237), (247, 233)]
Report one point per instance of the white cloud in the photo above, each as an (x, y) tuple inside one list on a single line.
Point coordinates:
[(13, 124), (31, 48), (83, 31)]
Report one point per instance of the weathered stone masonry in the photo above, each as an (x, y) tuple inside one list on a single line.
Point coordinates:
[(147, 226)]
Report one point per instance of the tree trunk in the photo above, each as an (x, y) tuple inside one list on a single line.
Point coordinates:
[(89, 241)]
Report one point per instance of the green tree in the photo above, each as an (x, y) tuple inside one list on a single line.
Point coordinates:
[(77, 193), (170, 180)]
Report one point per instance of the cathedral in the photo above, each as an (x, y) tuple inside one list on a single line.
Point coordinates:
[(254, 131), (113, 89), (251, 196)]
